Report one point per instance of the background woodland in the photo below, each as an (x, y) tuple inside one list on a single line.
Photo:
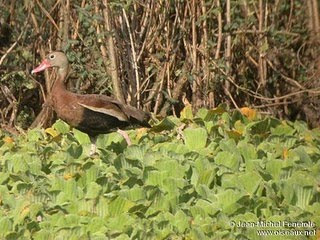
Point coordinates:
[(162, 55)]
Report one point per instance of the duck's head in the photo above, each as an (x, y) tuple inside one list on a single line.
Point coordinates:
[(53, 59)]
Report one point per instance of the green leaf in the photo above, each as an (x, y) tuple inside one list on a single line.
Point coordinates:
[(165, 124), (247, 150), (6, 226), (93, 190), (34, 135), (228, 159), (119, 205), (61, 126), (135, 152), (81, 137), (227, 200), (283, 129), (195, 138), (273, 167), (181, 221), (133, 194), (263, 126), (186, 113), (250, 181), (105, 140), (304, 196)]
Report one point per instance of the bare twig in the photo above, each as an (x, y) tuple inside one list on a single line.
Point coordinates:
[(315, 91), (228, 44), (231, 98), (47, 14), (134, 57), (113, 68), (16, 42), (12, 104)]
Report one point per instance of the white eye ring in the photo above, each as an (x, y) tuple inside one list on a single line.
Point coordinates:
[(52, 56)]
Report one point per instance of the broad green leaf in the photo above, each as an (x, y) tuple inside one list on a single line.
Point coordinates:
[(6, 226), (228, 200), (202, 113), (19, 163), (91, 174), (250, 181), (135, 152), (273, 167), (61, 126), (21, 211), (304, 196), (93, 190), (34, 135), (172, 167), (195, 138), (105, 140), (263, 126), (102, 208), (208, 207), (186, 113), (181, 221), (303, 156), (165, 124), (4, 177), (81, 137), (133, 194), (156, 178), (228, 159), (283, 129), (70, 189), (119, 205), (247, 150), (43, 234)]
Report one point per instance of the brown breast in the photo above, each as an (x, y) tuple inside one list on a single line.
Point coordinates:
[(66, 106)]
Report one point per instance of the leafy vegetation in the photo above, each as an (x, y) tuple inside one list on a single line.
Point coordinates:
[(262, 54), (186, 178)]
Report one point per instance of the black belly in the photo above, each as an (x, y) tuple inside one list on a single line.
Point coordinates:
[(95, 123)]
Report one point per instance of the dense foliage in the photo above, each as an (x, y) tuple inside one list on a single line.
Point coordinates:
[(186, 178), (153, 54)]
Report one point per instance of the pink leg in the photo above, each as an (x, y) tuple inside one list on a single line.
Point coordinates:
[(125, 136)]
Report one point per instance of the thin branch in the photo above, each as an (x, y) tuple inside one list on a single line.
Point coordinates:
[(113, 69), (134, 57), (16, 42), (48, 15), (315, 91)]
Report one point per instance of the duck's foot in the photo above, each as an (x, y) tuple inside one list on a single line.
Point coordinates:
[(125, 136), (93, 149)]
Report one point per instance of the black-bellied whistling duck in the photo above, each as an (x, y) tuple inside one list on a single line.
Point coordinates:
[(90, 113)]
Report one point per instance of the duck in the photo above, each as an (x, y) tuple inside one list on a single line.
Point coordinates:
[(90, 113)]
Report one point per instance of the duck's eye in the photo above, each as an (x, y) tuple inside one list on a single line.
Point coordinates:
[(52, 56)]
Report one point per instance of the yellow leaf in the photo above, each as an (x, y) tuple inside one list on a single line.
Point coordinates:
[(67, 176), (308, 136), (8, 140), (141, 132), (234, 134), (318, 234), (218, 110), (285, 153), (186, 112), (250, 113), (52, 132), (25, 211), (239, 127)]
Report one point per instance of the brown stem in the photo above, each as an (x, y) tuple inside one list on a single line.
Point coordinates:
[(113, 67), (134, 58), (228, 44)]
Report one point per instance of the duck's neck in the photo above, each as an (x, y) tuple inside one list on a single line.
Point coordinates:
[(59, 84)]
